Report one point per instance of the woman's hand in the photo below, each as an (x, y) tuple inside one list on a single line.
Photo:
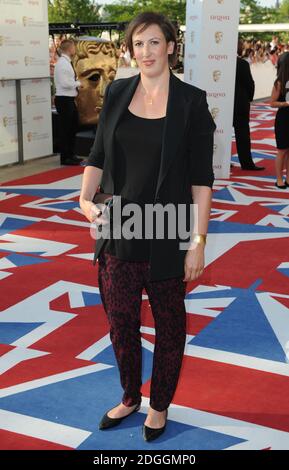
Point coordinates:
[(98, 214), (91, 211), (194, 262)]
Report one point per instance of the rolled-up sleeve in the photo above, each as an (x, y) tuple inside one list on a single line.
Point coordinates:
[(201, 145), (96, 155)]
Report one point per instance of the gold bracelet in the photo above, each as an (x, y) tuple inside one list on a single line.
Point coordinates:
[(199, 238)]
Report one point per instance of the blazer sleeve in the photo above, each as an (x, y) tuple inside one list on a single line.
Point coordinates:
[(96, 155), (201, 145)]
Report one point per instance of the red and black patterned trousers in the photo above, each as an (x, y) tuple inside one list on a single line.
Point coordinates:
[(120, 285)]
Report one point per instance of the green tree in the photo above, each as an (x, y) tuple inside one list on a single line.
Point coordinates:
[(124, 10), (127, 9), (251, 12), (73, 10), (284, 9)]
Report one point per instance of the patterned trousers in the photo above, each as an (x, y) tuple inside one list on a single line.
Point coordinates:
[(120, 286)]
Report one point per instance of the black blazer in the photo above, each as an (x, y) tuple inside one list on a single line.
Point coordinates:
[(186, 158), (244, 89)]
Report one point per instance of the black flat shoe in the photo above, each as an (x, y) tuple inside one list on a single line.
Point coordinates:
[(281, 186), (106, 422), (149, 434), (77, 158), (69, 161), (253, 168)]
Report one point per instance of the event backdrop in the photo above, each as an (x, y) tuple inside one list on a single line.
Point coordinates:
[(210, 63), (24, 54), (8, 123), (23, 39), (36, 114)]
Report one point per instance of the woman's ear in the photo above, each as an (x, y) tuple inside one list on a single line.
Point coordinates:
[(171, 47)]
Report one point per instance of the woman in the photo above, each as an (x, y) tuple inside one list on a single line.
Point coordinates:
[(280, 100), (249, 56), (121, 60), (154, 144)]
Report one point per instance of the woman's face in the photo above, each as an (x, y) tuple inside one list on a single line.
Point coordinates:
[(151, 50)]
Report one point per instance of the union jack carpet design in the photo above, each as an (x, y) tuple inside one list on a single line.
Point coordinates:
[(58, 372)]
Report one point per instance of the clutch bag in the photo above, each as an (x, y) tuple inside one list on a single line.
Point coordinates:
[(107, 199), (102, 198)]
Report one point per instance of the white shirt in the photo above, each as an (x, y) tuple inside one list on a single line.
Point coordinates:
[(64, 78)]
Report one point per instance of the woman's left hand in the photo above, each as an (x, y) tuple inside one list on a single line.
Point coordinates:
[(194, 262)]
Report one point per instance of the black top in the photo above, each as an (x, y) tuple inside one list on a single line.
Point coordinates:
[(138, 143), (188, 148), (282, 123), (282, 96)]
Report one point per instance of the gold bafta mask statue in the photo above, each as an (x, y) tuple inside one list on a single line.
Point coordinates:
[(215, 113), (216, 75), (95, 64), (219, 37)]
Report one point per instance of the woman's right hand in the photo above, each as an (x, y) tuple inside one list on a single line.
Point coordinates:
[(94, 214), (90, 211), (90, 182), (97, 213)]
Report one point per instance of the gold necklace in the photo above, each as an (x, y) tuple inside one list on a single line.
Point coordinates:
[(150, 100)]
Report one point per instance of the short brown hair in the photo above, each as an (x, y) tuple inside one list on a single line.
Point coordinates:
[(64, 45), (147, 18)]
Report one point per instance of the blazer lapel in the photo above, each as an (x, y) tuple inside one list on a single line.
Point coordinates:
[(174, 127)]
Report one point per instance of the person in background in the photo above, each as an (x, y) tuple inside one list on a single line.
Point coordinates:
[(66, 85), (274, 43), (244, 94), (280, 100), (121, 61), (274, 56), (127, 57), (249, 55), (280, 60)]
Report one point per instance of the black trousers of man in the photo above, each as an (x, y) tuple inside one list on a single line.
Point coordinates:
[(68, 125), (243, 139)]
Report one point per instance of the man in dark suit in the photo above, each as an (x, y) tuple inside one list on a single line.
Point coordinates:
[(244, 94), (67, 85)]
